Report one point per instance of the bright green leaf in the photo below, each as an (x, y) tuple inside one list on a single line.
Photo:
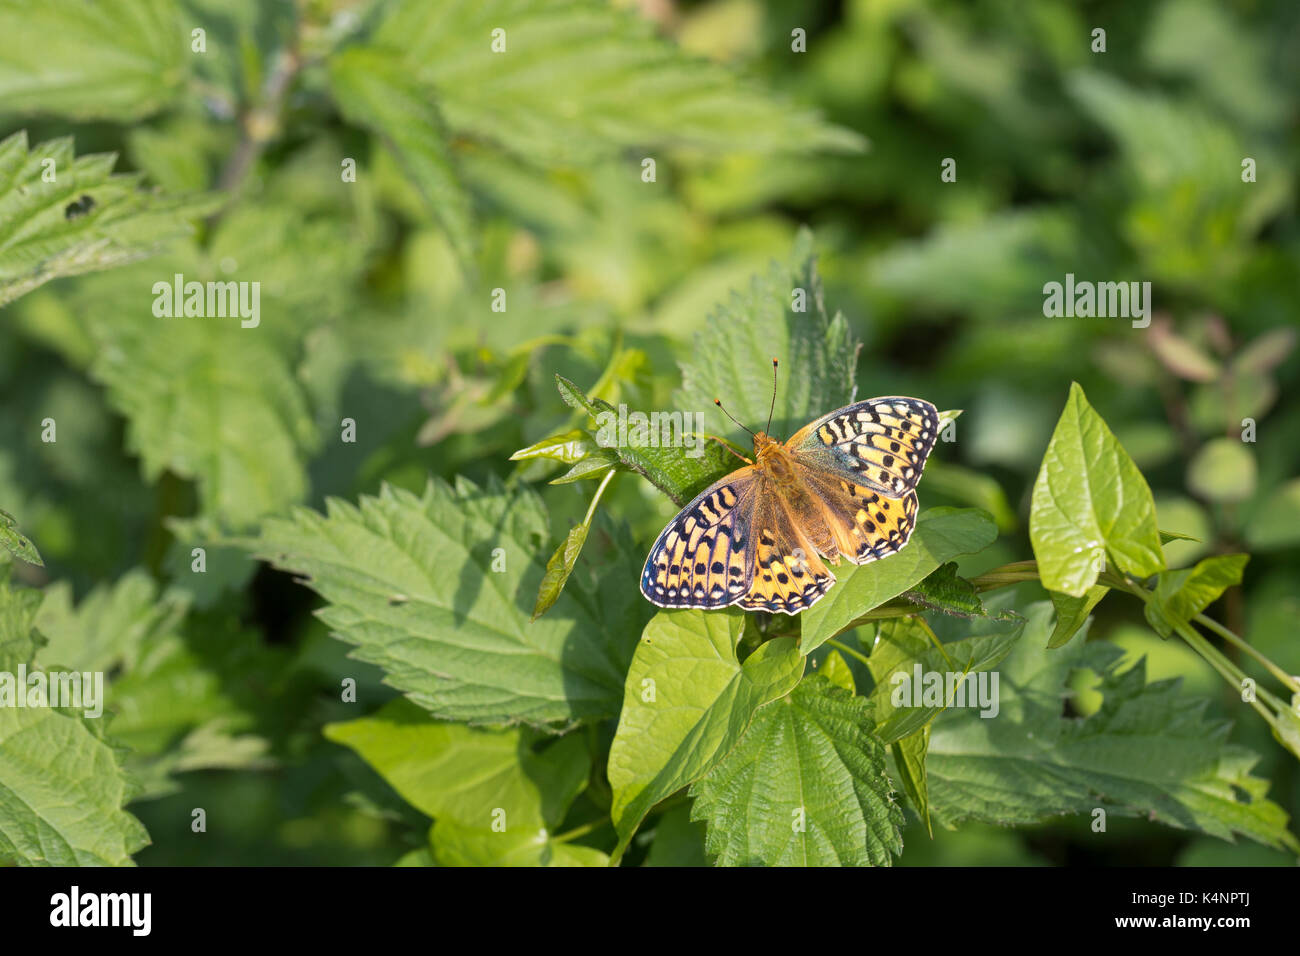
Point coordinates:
[(437, 590), (1181, 595), (805, 786), (1090, 500), (941, 534), (686, 703)]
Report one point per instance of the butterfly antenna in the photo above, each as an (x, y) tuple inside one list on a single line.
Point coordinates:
[(771, 408), (718, 402)]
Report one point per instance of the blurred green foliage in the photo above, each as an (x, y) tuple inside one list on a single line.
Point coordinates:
[(477, 172)]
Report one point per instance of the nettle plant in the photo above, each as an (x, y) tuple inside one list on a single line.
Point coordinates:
[(553, 716)]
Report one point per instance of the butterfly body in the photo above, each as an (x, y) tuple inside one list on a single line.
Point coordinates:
[(842, 487)]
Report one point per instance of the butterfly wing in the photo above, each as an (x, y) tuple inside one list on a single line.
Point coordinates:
[(702, 558), (788, 574), (864, 524), (881, 443)]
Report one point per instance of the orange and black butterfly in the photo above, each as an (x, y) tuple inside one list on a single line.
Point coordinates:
[(842, 486)]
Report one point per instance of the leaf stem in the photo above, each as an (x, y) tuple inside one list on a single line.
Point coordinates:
[(1286, 679), (840, 646), (581, 831)]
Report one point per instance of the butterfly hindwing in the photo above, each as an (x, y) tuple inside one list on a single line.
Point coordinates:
[(865, 524), (882, 443), (789, 576), (701, 558)]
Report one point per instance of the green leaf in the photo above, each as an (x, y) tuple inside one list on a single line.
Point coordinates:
[(1223, 470), (62, 786), (837, 671), (1181, 595), (1072, 613), (86, 220), (1167, 536), (1277, 522), (581, 79), (941, 534), (731, 356), (209, 401), (16, 543), (114, 60), (1147, 751), (805, 786), (468, 775), (570, 448), (558, 569), (377, 91), (1090, 500), (909, 758), (902, 704), (679, 475), (678, 840), (946, 591), (595, 465), (437, 591), (457, 845), (687, 701), (178, 686), (970, 487)]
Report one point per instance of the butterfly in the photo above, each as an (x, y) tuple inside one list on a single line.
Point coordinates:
[(844, 485)]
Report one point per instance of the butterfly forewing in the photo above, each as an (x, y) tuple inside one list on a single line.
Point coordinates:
[(881, 443), (700, 559)]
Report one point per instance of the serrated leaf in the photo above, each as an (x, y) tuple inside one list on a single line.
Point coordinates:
[(62, 787), (581, 79), (677, 474), (467, 774), (731, 356), (115, 60), (15, 542), (805, 786), (941, 534), (178, 687), (86, 220), (1147, 751), (1090, 500), (687, 701), (1181, 595), (213, 402), (947, 592), (437, 589), (377, 91)]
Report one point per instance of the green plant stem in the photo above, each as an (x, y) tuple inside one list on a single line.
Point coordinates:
[(595, 499), (934, 639), (1286, 679), (581, 831), (844, 648)]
